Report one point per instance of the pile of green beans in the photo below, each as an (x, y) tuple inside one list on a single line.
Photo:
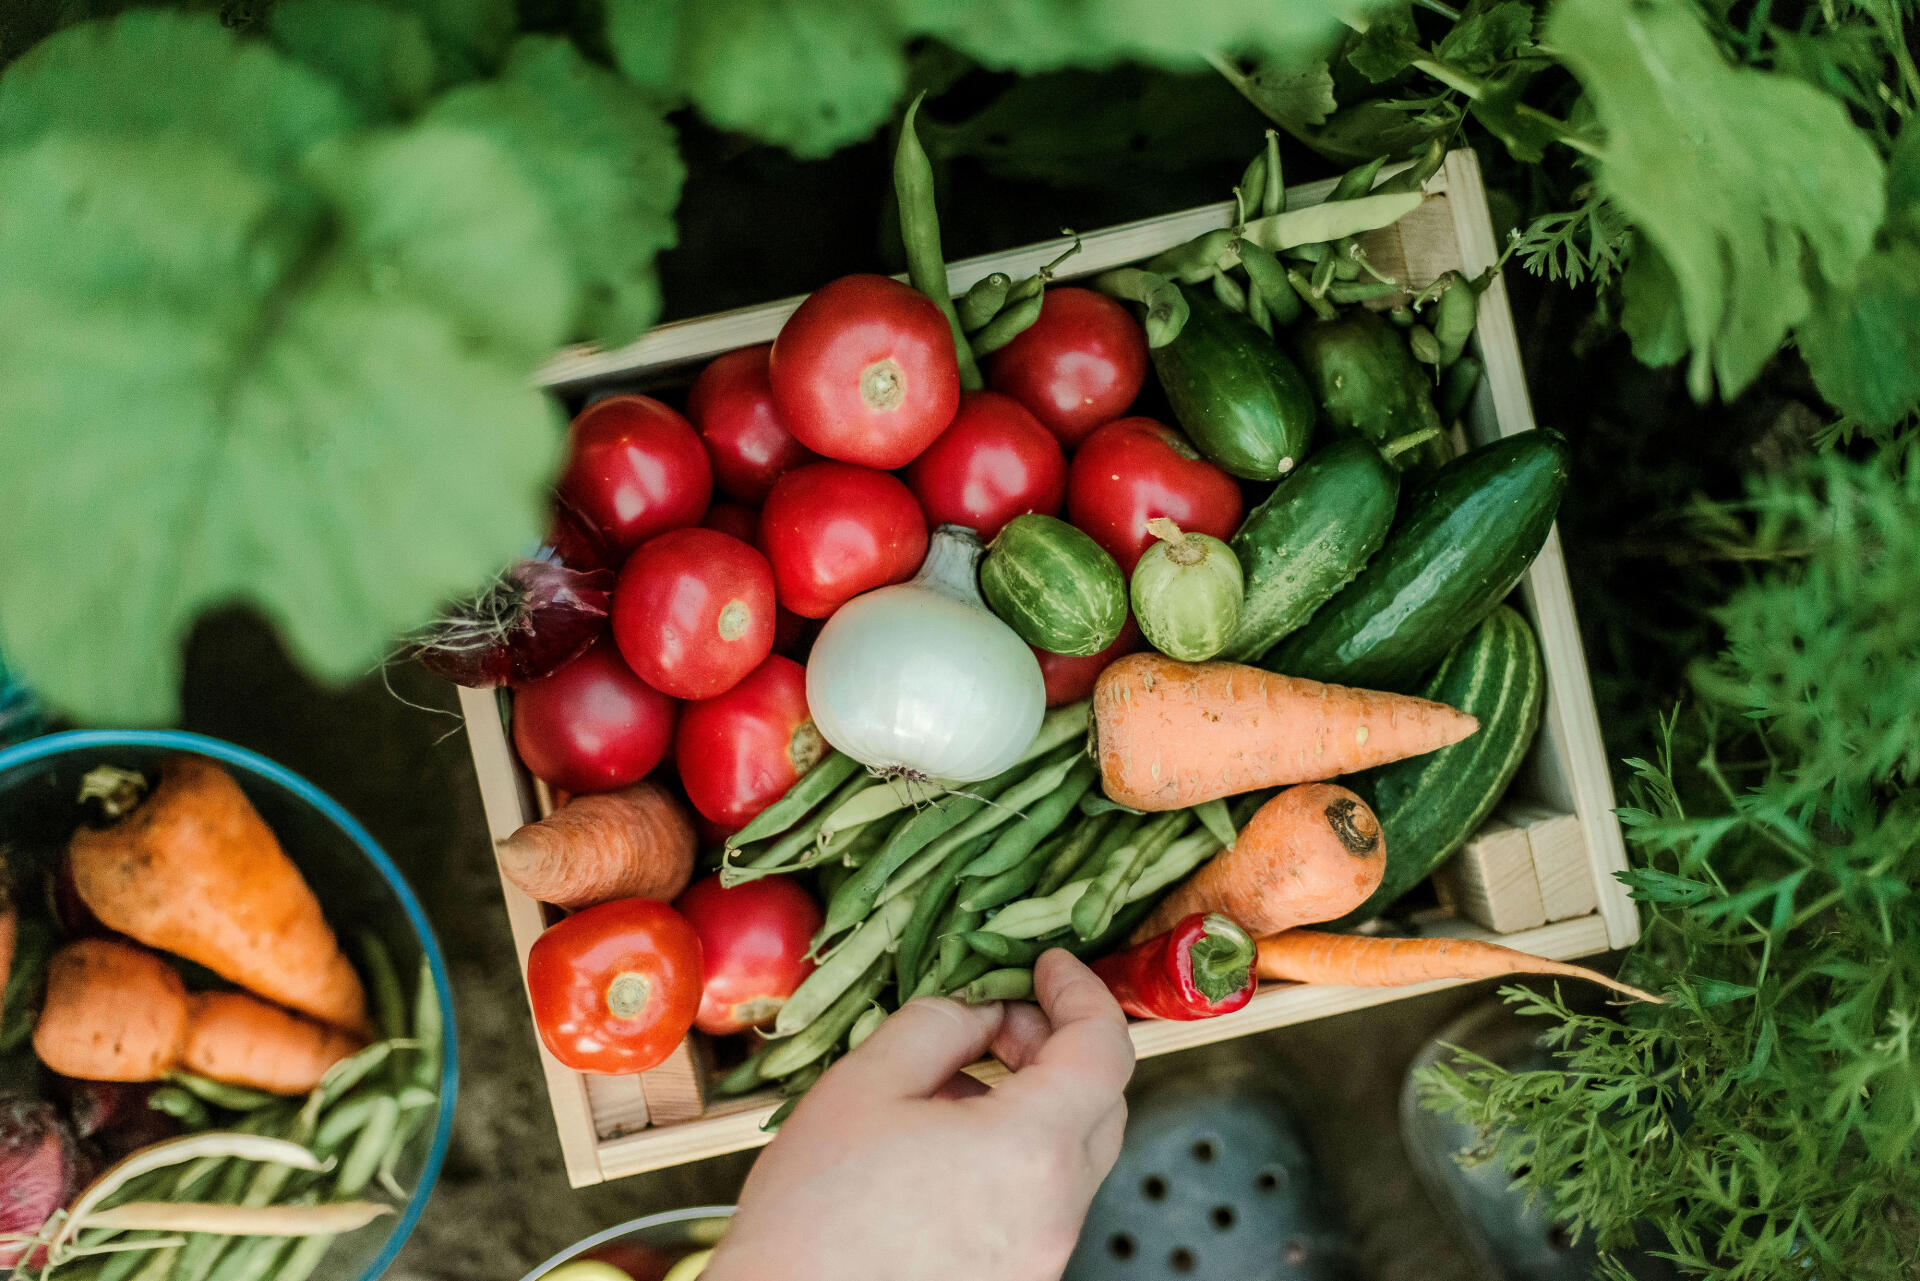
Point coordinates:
[(959, 892), (363, 1116)]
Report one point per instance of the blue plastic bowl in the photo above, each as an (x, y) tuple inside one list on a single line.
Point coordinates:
[(357, 884)]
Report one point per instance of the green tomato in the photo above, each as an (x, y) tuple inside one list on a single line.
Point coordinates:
[(1187, 591)]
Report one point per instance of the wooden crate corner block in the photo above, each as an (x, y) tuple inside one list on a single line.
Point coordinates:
[(1551, 851)]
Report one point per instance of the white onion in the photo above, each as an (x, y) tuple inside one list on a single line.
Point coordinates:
[(921, 678)]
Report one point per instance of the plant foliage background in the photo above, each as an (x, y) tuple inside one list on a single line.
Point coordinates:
[(273, 277)]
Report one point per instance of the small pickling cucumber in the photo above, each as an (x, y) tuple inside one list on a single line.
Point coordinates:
[(1056, 587), (1238, 397), (1368, 383)]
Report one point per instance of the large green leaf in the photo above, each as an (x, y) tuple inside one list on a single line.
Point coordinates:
[(814, 75), (1863, 344), (216, 388), (380, 55), (1742, 179), (599, 151), (152, 73)]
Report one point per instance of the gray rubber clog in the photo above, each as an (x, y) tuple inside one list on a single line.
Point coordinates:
[(1213, 1184)]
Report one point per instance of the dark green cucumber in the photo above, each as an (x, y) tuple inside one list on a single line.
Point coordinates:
[(1467, 536), (1307, 540), (1239, 398), (1054, 586), (1368, 382), (1429, 805)]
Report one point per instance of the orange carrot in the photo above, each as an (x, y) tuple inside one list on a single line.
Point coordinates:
[(1310, 854), (242, 1040), (1169, 734), (192, 869), (633, 843), (1353, 960), (113, 1012), (116, 1012)]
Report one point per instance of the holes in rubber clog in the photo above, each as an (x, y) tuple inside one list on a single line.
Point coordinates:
[(1120, 1246), (1154, 1188), (1181, 1260), (1204, 1151), (1222, 1217), (1271, 1180)]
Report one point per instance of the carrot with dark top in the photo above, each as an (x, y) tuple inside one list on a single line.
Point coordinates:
[(1353, 960), (117, 1012), (1169, 735), (192, 869), (634, 843), (1312, 853)]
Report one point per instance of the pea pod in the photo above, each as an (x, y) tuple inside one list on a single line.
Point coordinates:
[(1269, 280), (808, 790), (1166, 306), (953, 947), (1016, 319), (865, 1026), (1003, 950), (1187, 592), (1229, 292), (920, 233), (983, 301), (1014, 844), (934, 895), (986, 893), (1273, 187), (1454, 317), (1414, 177), (1457, 386), (1056, 587)]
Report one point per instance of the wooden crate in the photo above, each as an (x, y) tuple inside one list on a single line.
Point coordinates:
[(612, 1127)]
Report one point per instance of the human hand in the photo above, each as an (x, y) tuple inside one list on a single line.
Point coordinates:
[(897, 1165)]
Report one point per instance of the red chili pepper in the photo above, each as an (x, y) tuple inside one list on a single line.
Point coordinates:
[(1200, 968)]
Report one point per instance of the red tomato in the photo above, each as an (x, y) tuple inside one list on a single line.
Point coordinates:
[(731, 518), (833, 530), (865, 372), (693, 612), (636, 469), (1078, 366), (1135, 469), (739, 752), (995, 462), (641, 1262), (593, 725), (615, 987), (732, 406), (754, 938), (1070, 679)]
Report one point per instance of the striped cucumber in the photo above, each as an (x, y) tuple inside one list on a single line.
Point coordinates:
[(1429, 805), (1314, 532), (1464, 540), (1055, 586)]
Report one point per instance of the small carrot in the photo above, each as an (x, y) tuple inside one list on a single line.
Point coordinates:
[(1169, 734), (117, 1012), (1312, 853), (113, 1012), (241, 1040), (193, 869), (1354, 960), (634, 843)]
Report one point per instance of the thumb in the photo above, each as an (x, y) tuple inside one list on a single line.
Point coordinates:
[(917, 1050)]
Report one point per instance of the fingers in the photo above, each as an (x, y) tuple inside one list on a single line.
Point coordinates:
[(1022, 1032), (961, 1086), (1085, 1065), (917, 1051)]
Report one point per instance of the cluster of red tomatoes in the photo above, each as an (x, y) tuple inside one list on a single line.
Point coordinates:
[(833, 451)]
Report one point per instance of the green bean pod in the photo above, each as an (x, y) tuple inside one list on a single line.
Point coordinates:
[(1454, 317), (968, 970), (1457, 386), (1166, 306), (1268, 279), (1229, 292), (865, 1026), (1357, 181), (383, 984), (797, 801), (986, 893), (1273, 194), (1424, 346), (1013, 845), (1415, 176), (841, 972), (983, 301), (1015, 320), (934, 895), (822, 1034), (998, 985), (1003, 950), (858, 896), (953, 949), (1094, 910), (746, 1076), (1073, 852), (920, 233)]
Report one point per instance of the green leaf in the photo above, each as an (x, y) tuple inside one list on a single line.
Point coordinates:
[(1489, 36), (1651, 313), (470, 36), (1903, 180), (379, 55), (598, 150), (1293, 93), (216, 390), (1387, 47), (1653, 886), (151, 73), (1743, 179), (1862, 344), (814, 75), (1712, 992)]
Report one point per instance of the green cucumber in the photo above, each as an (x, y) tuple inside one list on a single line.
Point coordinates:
[(1186, 592), (1307, 540), (1429, 805), (1368, 383), (1239, 398), (1467, 536), (1056, 587)]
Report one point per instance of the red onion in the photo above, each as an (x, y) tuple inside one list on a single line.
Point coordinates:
[(533, 619), (37, 1169)]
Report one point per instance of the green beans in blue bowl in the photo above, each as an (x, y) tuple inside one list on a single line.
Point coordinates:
[(380, 1122)]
